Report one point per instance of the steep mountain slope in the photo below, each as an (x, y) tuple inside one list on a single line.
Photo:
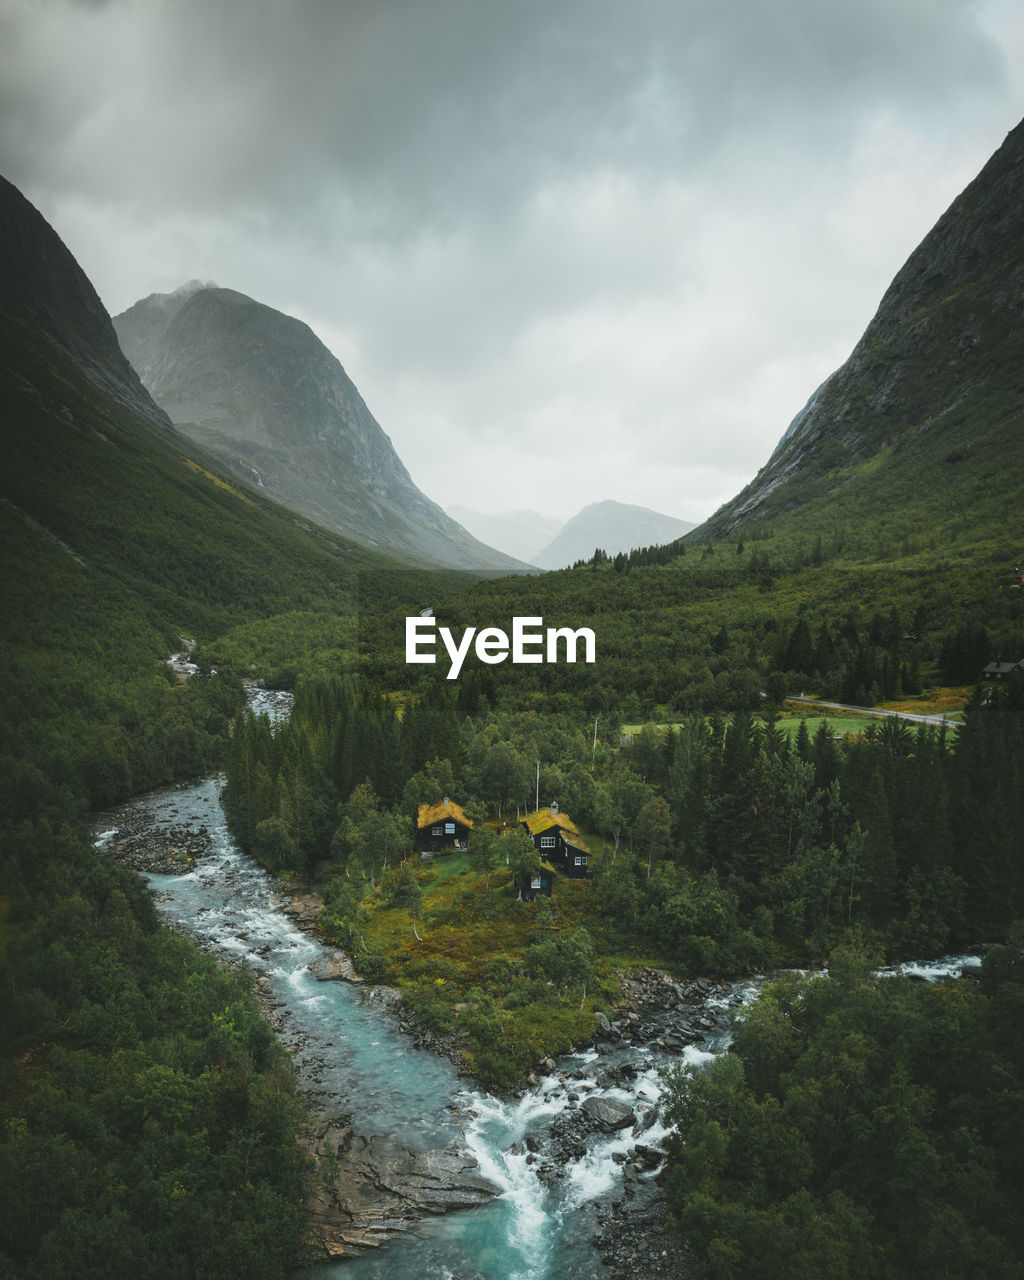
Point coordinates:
[(261, 392), (518, 533), (916, 433), (612, 526), (45, 298), (117, 535)]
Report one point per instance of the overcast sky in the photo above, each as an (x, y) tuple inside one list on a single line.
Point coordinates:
[(567, 249)]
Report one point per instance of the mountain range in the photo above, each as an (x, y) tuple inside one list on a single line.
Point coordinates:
[(613, 527), (551, 543), (262, 394), (522, 534), (914, 437)]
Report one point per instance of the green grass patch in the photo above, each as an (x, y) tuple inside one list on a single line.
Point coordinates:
[(837, 725), (469, 971)]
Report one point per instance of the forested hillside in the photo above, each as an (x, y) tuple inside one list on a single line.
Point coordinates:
[(139, 1088)]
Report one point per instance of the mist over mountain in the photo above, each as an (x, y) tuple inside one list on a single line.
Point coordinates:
[(118, 532), (917, 428), (612, 526), (260, 392), (518, 533)]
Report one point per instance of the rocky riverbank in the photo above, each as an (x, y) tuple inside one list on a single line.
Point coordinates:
[(635, 1240), (367, 1188), (656, 1011), (370, 1188), (144, 846), (382, 1190)]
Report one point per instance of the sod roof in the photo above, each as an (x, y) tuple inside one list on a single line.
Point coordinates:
[(446, 811)]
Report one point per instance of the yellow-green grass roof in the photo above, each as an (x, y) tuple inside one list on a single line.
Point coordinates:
[(446, 811)]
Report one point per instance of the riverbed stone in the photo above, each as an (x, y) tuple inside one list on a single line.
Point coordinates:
[(608, 1113), (334, 966), (380, 1188)]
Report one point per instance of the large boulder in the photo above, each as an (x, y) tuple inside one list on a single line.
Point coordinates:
[(378, 1189), (608, 1114)]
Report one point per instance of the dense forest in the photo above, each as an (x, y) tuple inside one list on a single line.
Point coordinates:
[(148, 1120), (722, 843), (732, 836), (861, 1126)]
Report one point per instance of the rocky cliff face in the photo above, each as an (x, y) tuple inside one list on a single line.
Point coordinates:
[(936, 373), (263, 394), (45, 292)]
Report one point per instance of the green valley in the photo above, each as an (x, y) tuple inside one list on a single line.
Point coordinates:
[(874, 561)]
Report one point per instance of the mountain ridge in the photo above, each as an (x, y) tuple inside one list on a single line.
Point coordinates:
[(40, 294), (262, 393), (935, 380)]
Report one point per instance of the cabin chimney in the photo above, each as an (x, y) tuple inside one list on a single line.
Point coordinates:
[(554, 810)]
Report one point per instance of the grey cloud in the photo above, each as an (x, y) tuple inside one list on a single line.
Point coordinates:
[(427, 113), (592, 229)]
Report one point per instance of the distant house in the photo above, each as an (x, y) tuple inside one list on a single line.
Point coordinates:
[(442, 828), (561, 848), (999, 670)]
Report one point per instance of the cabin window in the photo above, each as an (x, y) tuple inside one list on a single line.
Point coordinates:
[(547, 842), (435, 831), (579, 862), (535, 882), (449, 828)]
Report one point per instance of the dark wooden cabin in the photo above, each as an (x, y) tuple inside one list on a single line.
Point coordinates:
[(1000, 670), (442, 828), (561, 848)]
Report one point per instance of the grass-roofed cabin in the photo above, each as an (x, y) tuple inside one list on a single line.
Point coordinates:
[(561, 848), (442, 828)]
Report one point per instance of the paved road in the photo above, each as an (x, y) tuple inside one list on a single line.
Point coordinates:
[(874, 711)]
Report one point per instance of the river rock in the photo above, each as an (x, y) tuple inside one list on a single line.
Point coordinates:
[(304, 908), (145, 846), (609, 1114), (334, 966), (379, 1189), (648, 1157), (635, 1242), (645, 1122)]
